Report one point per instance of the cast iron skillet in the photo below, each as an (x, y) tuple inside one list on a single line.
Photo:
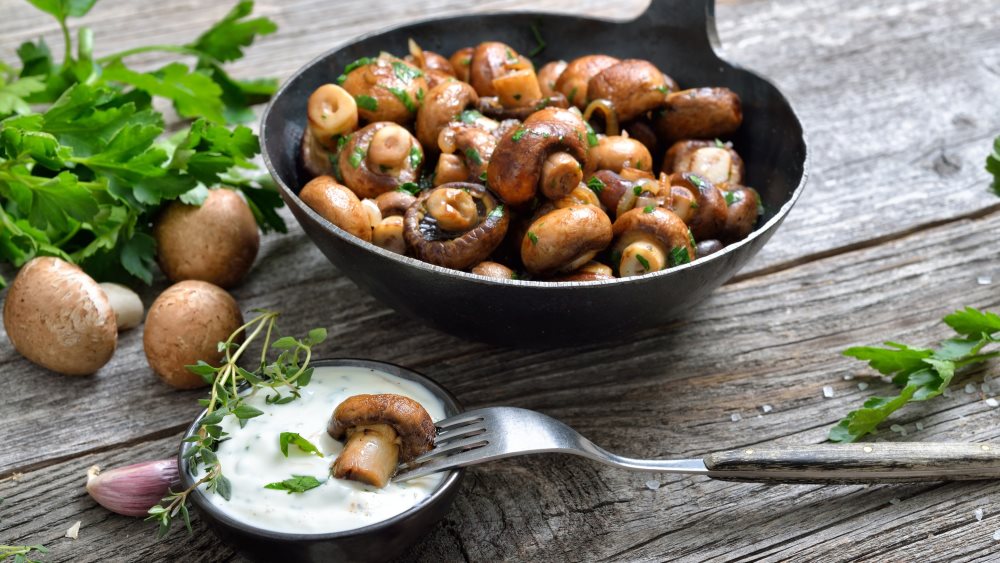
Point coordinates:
[(677, 36)]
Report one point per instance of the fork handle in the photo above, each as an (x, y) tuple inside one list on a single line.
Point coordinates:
[(883, 462)]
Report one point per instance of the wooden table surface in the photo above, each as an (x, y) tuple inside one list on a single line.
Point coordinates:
[(901, 101)]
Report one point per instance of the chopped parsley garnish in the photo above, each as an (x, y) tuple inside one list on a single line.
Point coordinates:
[(518, 134), (405, 72), (411, 188), (496, 212), (637, 190), (591, 136), (532, 237), (720, 144), (366, 102), (420, 95), (404, 97), (572, 94), (511, 57), (473, 156), (482, 177), (356, 157), (691, 237), (297, 484), (541, 44), (648, 209), (663, 90), (732, 197), (595, 184), (678, 255), (697, 181), (470, 116), (363, 61), (543, 103), (416, 157), (642, 260), (466, 61)]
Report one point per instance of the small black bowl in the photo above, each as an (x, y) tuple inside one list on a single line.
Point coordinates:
[(378, 542), (677, 36)]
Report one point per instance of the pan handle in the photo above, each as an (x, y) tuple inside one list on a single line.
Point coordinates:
[(688, 17)]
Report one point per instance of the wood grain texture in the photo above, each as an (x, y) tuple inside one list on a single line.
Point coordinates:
[(893, 232)]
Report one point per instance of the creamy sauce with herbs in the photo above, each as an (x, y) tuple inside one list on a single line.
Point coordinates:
[(252, 458)]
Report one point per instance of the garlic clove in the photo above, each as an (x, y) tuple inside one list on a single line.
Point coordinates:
[(133, 489)]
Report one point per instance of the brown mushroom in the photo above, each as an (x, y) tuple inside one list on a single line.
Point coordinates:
[(591, 271), (428, 60), (620, 195), (650, 240), (492, 60), (710, 212), (338, 205), (492, 107), (394, 203), (382, 431), (617, 152), (59, 317), (443, 104), (580, 195), (455, 225), (701, 113), (493, 270), (564, 239), (474, 146), (388, 234), (574, 79), (380, 158), (316, 159), (461, 63), (633, 86), (708, 247), (714, 161), (548, 75), (386, 89), (525, 158), (742, 211)]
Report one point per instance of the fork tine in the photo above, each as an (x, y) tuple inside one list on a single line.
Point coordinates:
[(460, 432), (439, 463), (438, 451), (458, 420)]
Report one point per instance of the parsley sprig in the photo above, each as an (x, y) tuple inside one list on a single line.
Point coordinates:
[(920, 373), (993, 165), (281, 378), (83, 176)]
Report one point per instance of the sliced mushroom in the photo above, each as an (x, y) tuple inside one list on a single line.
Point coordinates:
[(443, 104), (494, 270), (742, 211), (461, 62), (474, 146), (380, 158), (591, 271), (617, 152), (710, 212), (548, 75), (332, 112), (525, 160), (337, 204), (702, 113), (395, 203), (574, 79), (386, 89), (633, 87), (564, 239), (455, 225), (714, 161), (382, 431), (59, 317), (620, 195), (650, 240), (580, 195)]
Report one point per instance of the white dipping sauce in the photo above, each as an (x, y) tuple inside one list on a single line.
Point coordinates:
[(252, 458)]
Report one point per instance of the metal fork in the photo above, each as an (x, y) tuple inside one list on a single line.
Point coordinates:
[(488, 434)]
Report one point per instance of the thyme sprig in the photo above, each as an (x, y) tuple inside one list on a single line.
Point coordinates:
[(281, 378)]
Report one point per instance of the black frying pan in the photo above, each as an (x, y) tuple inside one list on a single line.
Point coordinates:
[(677, 36)]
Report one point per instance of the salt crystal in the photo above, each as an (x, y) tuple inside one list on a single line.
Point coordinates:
[(848, 377), (766, 408), (992, 403), (979, 515), (74, 531), (735, 417), (996, 535), (984, 280), (920, 426), (652, 484), (970, 388), (828, 392), (899, 429), (894, 501), (862, 386)]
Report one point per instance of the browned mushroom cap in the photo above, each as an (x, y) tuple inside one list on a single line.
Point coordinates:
[(516, 169), (708, 247), (619, 194), (564, 239), (714, 161), (574, 79), (374, 425), (461, 62), (702, 113), (548, 75), (492, 106), (710, 206), (493, 270), (455, 225), (591, 271), (642, 130), (428, 60), (633, 87), (338, 205), (394, 203), (380, 158), (616, 152), (474, 146), (743, 209), (491, 60), (386, 89), (443, 103), (650, 240)]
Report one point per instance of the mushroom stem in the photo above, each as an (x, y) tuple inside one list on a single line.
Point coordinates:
[(644, 255), (561, 173), (126, 305), (389, 148), (608, 111), (331, 112), (371, 455), (453, 208), (388, 234), (450, 168)]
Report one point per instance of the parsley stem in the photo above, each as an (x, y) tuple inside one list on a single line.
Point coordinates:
[(179, 49), (68, 49)]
